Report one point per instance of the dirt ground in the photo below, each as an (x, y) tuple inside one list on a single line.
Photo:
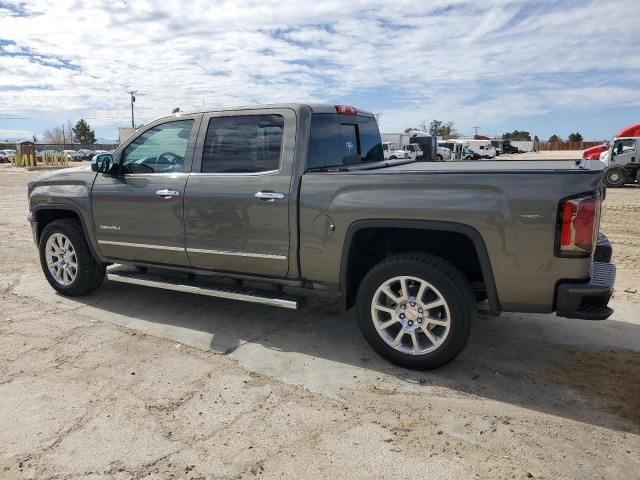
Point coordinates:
[(133, 383)]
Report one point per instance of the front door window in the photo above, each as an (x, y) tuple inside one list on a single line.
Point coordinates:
[(160, 149)]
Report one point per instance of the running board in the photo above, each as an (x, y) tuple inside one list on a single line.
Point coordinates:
[(179, 283)]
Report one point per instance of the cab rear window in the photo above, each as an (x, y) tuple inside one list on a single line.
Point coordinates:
[(338, 140)]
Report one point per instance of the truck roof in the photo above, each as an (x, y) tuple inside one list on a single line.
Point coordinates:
[(314, 107)]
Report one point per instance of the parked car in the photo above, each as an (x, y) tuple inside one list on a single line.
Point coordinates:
[(414, 150), (72, 155), (86, 154), (4, 158), (392, 152), (8, 153), (443, 154), (504, 146), (301, 196), (483, 148), (468, 154)]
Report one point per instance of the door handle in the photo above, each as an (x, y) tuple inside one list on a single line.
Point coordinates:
[(269, 196), (166, 193)]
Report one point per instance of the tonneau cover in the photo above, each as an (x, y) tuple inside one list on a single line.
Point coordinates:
[(499, 165)]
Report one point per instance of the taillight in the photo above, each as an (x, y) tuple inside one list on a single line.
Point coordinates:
[(578, 226), (346, 110)]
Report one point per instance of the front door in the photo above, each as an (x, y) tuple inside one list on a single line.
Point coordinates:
[(624, 151), (237, 198), (139, 215)]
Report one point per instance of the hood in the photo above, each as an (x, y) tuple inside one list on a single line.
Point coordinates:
[(593, 153), (67, 176)]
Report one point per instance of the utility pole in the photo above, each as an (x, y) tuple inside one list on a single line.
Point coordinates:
[(64, 138), (133, 100), (476, 130)]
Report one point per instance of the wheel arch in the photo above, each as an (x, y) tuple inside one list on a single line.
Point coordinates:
[(43, 215), (348, 275)]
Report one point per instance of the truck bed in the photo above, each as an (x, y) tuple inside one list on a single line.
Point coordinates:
[(496, 165)]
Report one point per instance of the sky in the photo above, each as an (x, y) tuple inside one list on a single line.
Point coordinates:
[(548, 67)]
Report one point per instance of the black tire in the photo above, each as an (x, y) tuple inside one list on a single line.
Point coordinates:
[(89, 274), (439, 158), (452, 286), (393, 157), (615, 176)]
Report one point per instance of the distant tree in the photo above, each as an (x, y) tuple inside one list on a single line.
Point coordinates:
[(35, 139), (407, 130), (53, 135), (554, 139), (575, 137), (517, 135), (442, 129), (83, 134)]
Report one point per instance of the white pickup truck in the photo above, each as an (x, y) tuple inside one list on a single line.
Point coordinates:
[(392, 152)]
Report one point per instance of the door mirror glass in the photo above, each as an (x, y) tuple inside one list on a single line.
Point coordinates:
[(102, 163)]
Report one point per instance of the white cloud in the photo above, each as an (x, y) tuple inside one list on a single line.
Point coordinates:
[(465, 61), (13, 134)]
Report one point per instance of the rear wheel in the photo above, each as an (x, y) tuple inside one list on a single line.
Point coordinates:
[(615, 176), (439, 157), (415, 310), (67, 262)]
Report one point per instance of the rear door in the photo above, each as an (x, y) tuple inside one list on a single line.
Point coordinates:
[(238, 196), (139, 215)]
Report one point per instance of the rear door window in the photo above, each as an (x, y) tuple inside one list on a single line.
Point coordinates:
[(243, 144)]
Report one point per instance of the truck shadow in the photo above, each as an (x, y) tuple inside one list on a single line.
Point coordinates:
[(584, 371)]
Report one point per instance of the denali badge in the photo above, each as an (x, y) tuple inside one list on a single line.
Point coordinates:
[(109, 227)]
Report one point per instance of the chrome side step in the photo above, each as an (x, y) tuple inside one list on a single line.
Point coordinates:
[(181, 283)]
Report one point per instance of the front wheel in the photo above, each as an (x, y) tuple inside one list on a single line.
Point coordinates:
[(67, 262), (415, 310), (615, 176)]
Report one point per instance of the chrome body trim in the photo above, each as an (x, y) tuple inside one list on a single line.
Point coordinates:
[(237, 254), (140, 245), (193, 250)]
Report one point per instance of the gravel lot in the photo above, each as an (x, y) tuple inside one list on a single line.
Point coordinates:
[(131, 382)]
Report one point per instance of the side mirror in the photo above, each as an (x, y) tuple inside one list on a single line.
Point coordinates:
[(102, 163)]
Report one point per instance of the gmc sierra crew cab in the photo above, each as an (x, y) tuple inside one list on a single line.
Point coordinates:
[(260, 203)]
